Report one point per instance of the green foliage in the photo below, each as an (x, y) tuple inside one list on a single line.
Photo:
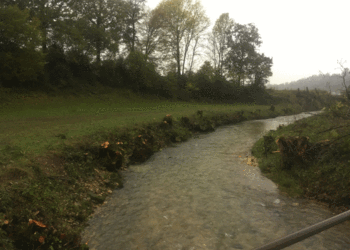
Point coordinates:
[(100, 24), (5, 242), (243, 61), (80, 65), (182, 24), (108, 73), (57, 66), (141, 73), (18, 42)]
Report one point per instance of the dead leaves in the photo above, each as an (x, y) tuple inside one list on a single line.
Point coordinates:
[(41, 239), (105, 144), (37, 223)]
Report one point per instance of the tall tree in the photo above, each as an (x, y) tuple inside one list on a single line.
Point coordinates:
[(198, 23), (243, 43), (150, 34), (218, 41), (102, 20), (134, 11), (182, 21)]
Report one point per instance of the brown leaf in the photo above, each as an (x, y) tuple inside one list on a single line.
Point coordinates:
[(38, 223), (41, 239), (62, 236)]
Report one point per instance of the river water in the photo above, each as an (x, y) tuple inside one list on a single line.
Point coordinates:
[(202, 195)]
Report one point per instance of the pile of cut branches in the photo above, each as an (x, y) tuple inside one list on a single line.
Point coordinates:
[(297, 150)]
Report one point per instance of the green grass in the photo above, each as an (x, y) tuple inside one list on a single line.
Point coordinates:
[(326, 179), (35, 126)]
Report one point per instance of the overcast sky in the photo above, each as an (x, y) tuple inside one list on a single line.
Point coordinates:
[(302, 37)]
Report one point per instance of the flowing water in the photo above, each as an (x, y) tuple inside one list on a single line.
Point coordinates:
[(201, 195)]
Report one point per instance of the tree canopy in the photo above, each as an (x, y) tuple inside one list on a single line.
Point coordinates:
[(123, 43), (19, 40)]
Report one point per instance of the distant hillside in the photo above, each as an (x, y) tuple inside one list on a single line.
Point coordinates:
[(323, 82)]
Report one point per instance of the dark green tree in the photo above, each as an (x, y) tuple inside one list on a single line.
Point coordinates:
[(243, 62), (242, 42), (260, 70), (141, 74), (101, 23), (50, 13), (19, 39)]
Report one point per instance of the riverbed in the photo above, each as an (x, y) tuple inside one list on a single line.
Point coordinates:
[(202, 194)]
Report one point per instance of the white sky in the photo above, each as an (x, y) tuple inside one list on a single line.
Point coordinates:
[(302, 36)]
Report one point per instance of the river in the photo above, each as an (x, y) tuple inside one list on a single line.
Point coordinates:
[(200, 194)]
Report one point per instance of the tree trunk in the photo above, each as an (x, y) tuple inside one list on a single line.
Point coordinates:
[(178, 58), (98, 52), (133, 37), (44, 42)]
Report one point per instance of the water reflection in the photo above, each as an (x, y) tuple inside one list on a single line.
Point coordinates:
[(200, 195)]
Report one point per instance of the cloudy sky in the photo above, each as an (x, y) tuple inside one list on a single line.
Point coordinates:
[(302, 37)]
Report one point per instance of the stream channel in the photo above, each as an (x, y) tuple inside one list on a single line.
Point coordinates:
[(201, 195)]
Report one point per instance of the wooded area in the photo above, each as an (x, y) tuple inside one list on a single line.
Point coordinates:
[(58, 44)]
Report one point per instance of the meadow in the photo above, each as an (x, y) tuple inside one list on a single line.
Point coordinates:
[(37, 123)]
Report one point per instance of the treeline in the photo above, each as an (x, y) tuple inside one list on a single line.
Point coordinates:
[(332, 83), (57, 44)]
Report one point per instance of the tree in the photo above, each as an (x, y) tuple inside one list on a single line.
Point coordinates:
[(243, 62), (182, 22), (198, 23), (150, 34), (133, 10), (260, 70), (218, 41), (141, 74), (242, 43), (102, 23), (49, 12), (20, 36)]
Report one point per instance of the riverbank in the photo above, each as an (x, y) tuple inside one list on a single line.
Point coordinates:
[(317, 167), (61, 156)]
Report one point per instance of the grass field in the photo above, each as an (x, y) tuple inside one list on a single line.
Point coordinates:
[(36, 124)]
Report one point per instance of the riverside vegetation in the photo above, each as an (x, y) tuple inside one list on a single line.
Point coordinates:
[(317, 162), (62, 155)]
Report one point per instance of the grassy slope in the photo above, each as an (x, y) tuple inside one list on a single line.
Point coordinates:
[(326, 179), (33, 124), (52, 165)]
